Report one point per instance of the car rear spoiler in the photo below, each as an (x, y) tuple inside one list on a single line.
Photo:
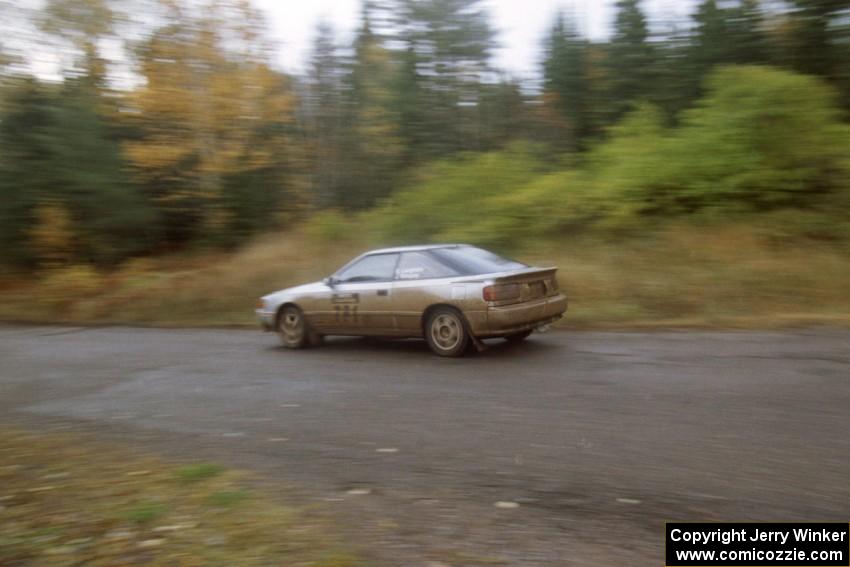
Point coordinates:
[(525, 275)]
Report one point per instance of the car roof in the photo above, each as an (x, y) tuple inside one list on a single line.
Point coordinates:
[(415, 248)]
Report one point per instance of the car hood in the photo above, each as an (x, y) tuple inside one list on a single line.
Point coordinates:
[(296, 291)]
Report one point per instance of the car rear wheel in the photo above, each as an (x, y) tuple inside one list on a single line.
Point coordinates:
[(446, 332), (293, 329), (519, 337)]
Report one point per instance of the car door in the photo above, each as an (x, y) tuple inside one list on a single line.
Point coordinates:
[(421, 280), (360, 299)]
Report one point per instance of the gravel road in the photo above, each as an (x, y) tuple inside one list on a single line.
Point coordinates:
[(570, 449)]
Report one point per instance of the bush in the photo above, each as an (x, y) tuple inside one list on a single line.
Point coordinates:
[(329, 226), (546, 205), (62, 286), (761, 140), (451, 194)]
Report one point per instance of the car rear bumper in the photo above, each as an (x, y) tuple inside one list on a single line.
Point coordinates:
[(521, 317)]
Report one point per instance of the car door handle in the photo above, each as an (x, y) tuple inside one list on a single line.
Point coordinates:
[(383, 292)]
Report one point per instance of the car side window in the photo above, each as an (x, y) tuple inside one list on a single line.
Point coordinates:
[(421, 266), (374, 268)]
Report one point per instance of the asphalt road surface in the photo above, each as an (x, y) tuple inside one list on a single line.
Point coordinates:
[(570, 449)]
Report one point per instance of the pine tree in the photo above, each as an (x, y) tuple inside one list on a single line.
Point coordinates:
[(58, 152), (408, 100), (325, 117), (112, 217), (748, 29), (504, 114), (711, 45), (24, 179), (631, 59), (373, 143), (447, 49), (820, 35), (731, 35), (565, 85)]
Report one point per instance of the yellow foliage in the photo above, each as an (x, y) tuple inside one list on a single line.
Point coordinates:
[(210, 108), (63, 286), (53, 235)]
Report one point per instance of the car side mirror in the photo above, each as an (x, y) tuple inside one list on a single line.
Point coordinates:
[(329, 281)]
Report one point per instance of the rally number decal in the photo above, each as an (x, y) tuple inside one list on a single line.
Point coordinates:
[(345, 313)]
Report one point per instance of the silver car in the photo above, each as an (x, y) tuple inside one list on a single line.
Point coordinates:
[(453, 295)]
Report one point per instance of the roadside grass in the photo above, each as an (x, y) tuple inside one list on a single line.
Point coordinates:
[(730, 276), (198, 472), (145, 511), (683, 276), (228, 498), (66, 501), (199, 289)]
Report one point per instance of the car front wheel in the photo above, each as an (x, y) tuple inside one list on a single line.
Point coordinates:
[(446, 332), (293, 329)]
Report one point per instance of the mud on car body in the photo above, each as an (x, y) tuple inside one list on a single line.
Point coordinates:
[(452, 295)]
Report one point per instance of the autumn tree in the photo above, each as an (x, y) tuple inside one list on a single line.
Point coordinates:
[(52, 235), (210, 115), (80, 25), (12, 21)]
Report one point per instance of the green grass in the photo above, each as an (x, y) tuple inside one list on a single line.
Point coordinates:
[(145, 512), (198, 472), (227, 498)]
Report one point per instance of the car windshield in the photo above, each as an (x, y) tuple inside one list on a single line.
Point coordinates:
[(373, 268), (470, 261)]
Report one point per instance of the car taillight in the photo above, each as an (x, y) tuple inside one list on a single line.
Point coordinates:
[(501, 292)]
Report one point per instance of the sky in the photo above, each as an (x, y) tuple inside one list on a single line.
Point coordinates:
[(521, 25)]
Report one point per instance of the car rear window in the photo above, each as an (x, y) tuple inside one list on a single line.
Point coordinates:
[(470, 261), (420, 266)]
